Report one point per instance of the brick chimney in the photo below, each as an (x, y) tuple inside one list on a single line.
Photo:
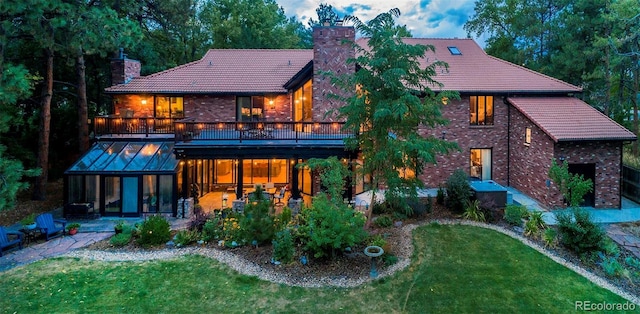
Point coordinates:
[(331, 49), (123, 69)]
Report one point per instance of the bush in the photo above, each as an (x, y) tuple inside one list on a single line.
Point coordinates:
[(256, 224), (534, 225), (213, 229), (155, 230), (440, 196), (419, 207), (383, 221), (186, 237), (550, 237), (328, 227), (458, 191), (513, 214), (473, 212), (198, 219), (120, 239), (283, 248), (633, 262), (283, 219), (611, 266), (578, 233)]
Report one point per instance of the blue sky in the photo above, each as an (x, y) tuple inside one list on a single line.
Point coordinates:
[(425, 18)]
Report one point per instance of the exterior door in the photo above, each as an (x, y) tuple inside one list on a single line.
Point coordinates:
[(588, 171), (130, 197), (480, 164)]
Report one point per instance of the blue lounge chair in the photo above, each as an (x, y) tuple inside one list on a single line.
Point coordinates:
[(47, 225), (5, 242)]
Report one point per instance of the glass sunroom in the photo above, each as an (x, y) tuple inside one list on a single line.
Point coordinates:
[(125, 179)]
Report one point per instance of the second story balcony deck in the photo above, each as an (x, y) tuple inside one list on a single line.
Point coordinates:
[(218, 133)]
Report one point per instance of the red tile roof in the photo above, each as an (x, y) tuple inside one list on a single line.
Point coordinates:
[(476, 71), (225, 71), (570, 119)]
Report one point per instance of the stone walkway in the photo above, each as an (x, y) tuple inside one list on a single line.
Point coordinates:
[(628, 241)]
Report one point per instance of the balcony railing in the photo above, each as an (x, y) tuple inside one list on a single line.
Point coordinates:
[(250, 131), (186, 129), (113, 124)]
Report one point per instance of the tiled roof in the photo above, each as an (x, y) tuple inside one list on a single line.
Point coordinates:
[(570, 119), (225, 71), (475, 71)]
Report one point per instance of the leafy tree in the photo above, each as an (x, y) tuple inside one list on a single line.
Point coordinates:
[(326, 14), (391, 105), (573, 187), (332, 175), (250, 24)]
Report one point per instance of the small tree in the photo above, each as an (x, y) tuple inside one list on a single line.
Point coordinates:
[(257, 224), (391, 106), (573, 187)]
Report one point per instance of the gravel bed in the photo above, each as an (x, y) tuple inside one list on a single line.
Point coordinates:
[(403, 248)]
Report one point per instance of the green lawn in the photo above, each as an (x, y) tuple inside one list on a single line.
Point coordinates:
[(456, 269)]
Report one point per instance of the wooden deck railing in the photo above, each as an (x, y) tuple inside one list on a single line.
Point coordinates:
[(243, 131)]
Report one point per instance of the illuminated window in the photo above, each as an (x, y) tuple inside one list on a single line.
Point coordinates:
[(169, 107), (527, 136), (481, 110)]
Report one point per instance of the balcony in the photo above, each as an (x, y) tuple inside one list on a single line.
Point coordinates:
[(114, 125), (259, 131), (187, 130)]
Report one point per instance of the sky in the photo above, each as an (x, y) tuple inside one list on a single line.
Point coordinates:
[(424, 18)]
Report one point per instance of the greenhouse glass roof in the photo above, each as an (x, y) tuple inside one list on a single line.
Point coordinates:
[(127, 157)]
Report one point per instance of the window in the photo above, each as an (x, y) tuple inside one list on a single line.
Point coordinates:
[(527, 136), (169, 107), (481, 110), (302, 103), (250, 108), (480, 163), (454, 50)]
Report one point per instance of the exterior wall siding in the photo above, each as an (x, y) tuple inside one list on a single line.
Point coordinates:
[(467, 137)]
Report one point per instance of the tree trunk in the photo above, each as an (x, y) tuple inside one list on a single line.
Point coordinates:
[(83, 126), (39, 188)]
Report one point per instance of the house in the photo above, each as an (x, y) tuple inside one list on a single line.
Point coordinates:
[(240, 117)]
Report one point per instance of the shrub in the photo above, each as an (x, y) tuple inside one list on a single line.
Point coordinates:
[(578, 233), (440, 196), (633, 262), (186, 237), (419, 207), (572, 186), (377, 240), (472, 211), (283, 248), (383, 221), (458, 191), (283, 219), (213, 229), (328, 227), (513, 214), (389, 259), (256, 224), (534, 225), (609, 247), (120, 239), (198, 219), (155, 230), (550, 237), (611, 266)]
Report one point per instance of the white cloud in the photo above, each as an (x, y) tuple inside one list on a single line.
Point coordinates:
[(425, 18)]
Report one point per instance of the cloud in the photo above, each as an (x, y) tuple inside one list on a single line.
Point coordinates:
[(424, 18)]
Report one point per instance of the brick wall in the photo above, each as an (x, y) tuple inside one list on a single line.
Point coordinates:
[(530, 164), (205, 108), (330, 53), (606, 155), (467, 137), (123, 70)]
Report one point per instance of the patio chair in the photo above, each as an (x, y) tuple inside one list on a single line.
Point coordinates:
[(280, 197), (5, 242), (47, 225)]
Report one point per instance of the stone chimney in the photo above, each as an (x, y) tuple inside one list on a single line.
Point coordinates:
[(331, 49), (124, 69)]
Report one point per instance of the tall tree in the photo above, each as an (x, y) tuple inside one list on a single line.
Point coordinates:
[(392, 103), (250, 24), (326, 14)]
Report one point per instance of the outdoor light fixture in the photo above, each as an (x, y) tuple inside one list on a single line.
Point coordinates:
[(271, 103), (445, 100), (444, 134), (144, 102)]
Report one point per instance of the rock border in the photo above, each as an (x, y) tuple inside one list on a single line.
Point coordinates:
[(404, 251)]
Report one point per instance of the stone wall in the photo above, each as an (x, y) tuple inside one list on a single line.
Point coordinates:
[(330, 53), (467, 136)]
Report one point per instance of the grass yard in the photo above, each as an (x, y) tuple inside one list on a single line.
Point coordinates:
[(455, 269)]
